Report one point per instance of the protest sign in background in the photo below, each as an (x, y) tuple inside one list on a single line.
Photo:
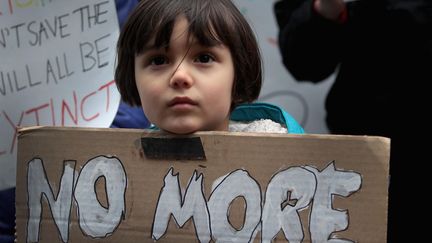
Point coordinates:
[(56, 68)]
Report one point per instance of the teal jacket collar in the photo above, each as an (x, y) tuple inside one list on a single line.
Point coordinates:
[(256, 111)]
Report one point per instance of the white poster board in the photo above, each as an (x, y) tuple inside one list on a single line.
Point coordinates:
[(56, 68)]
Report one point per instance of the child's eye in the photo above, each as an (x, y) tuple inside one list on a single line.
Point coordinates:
[(158, 60), (204, 58)]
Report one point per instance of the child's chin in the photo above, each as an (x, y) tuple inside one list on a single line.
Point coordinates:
[(181, 130)]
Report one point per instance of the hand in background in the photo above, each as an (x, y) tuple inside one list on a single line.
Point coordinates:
[(330, 9)]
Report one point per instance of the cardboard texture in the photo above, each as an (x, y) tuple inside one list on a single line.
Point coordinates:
[(98, 185)]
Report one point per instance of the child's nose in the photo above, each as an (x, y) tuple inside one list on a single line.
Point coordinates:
[(181, 77)]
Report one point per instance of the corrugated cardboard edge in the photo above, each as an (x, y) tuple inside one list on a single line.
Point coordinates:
[(23, 131), (386, 142)]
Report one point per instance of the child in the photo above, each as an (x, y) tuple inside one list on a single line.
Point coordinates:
[(193, 64)]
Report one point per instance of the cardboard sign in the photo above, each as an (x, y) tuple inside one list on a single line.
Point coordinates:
[(56, 68), (121, 185)]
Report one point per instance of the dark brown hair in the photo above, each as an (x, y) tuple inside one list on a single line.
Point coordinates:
[(212, 22)]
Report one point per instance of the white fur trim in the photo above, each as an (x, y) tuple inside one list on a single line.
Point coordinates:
[(263, 125)]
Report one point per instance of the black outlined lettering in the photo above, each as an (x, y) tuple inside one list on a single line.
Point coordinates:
[(237, 183), (38, 187), (288, 192), (301, 185), (324, 219), (94, 219), (182, 207)]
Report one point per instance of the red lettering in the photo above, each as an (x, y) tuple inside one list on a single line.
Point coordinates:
[(65, 106), (52, 112), (15, 127), (35, 110), (106, 86), (82, 107), (10, 7), (10, 12), (70, 109)]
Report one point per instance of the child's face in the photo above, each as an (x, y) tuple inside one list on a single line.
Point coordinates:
[(187, 87)]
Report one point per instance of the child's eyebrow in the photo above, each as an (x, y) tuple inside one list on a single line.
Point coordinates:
[(148, 48)]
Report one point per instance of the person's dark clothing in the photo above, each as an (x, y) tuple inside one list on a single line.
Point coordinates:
[(130, 117), (383, 57), (383, 52), (7, 215)]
